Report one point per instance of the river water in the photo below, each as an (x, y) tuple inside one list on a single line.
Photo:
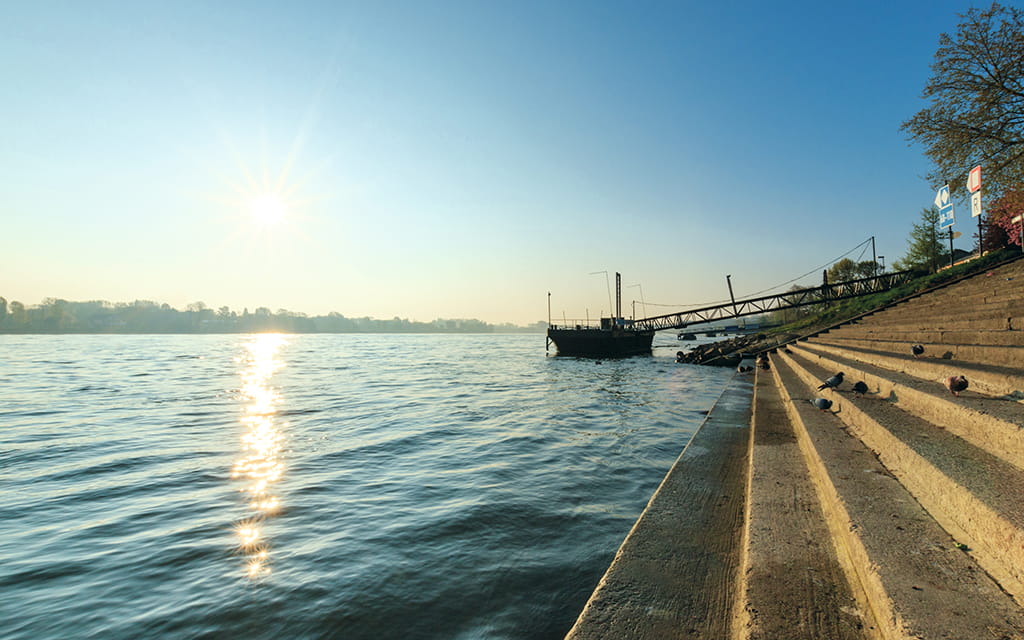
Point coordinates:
[(323, 486)]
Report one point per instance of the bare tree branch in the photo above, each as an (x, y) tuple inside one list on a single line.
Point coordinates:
[(976, 97)]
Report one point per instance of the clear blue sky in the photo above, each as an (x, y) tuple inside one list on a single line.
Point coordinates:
[(454, 159)]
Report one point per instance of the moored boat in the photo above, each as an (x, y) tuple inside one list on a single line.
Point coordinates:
[(608, 341), (614, 338)]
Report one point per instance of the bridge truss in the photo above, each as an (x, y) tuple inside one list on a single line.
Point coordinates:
[(776, 302)]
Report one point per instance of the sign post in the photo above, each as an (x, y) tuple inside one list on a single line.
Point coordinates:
[(951, 236), (974, 188), (974, 179), (945, 205)]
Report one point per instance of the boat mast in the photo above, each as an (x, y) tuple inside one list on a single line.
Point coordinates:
[(618, 296)]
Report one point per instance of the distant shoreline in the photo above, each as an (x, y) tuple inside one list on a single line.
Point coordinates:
[(496, 331), (55, 316)]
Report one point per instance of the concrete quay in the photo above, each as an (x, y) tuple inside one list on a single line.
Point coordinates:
[(897, 513)]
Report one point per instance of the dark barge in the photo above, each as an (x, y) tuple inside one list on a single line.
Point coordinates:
[(608, 341), (613, 339)]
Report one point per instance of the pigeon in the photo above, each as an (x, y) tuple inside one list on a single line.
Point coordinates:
[(822, 403), (833, 382), (860, 388), (956, 384), (917, 350)]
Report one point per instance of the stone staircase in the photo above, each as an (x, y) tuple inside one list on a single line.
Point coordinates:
[(898, 513)]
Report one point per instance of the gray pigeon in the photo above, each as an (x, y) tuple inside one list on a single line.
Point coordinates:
[(860, 388), (917, 350), (822, 403), (956, 384), (833, 382)]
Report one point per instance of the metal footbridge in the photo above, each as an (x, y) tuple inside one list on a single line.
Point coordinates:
[(776, 302)]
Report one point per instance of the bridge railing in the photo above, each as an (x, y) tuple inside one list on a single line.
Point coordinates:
[(775, 302)]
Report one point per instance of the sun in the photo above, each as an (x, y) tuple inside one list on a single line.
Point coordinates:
[(268, 209)]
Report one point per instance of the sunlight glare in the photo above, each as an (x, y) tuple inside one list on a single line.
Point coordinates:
[(268, 209), (260, 465)]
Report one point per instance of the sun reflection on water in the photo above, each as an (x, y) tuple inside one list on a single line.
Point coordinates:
[(260, 466)]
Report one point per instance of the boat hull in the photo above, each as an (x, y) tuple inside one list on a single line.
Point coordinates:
[(601, 343)]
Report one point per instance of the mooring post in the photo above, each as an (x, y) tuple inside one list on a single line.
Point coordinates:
[(618, 297)]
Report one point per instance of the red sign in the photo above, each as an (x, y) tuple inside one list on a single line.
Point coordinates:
[(974, 179)]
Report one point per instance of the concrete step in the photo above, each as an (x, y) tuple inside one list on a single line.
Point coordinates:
[(975, 496), (1003, 382), (979, 285), (903, 566), (950, 312), (993, 424), (916, 336), (999, 286), (793, 584), (676, 573), (924, 323), (994, 355)]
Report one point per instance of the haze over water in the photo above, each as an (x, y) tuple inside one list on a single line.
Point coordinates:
[(323, 486)]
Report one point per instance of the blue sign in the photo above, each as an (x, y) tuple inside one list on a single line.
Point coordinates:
[(945, 205)]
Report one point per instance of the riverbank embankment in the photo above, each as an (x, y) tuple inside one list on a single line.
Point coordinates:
[(883, 504), (670, 570)]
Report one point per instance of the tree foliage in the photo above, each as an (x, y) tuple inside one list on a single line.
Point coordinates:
[(1002, 211), (976, 115), (847, 269), (925, 248)]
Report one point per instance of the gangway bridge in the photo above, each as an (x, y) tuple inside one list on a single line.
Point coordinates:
[(828, 292)]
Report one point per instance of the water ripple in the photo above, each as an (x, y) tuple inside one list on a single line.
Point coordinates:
[(348, 486)]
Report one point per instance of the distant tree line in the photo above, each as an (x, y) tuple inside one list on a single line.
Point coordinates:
[(144, 316)]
